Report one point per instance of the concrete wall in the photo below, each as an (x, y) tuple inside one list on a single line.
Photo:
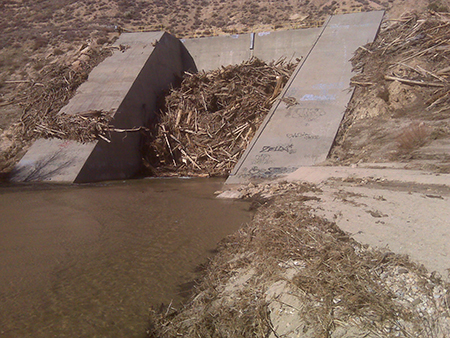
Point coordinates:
[(129, 83), (290, 44), (213, 52), (122, 157)]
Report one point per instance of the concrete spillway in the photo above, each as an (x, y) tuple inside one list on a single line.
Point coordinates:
[(298, 131), (301, 126)]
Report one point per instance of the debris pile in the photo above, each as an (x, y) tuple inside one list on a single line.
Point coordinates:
[(208, 122), (41, 116), (83, 127), (41, 100), (403, 82), (413, 50), (290, 273)]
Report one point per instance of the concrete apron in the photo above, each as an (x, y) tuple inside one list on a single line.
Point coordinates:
[(301, 126)]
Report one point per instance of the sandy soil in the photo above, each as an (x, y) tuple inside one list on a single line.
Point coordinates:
[(405, 211)]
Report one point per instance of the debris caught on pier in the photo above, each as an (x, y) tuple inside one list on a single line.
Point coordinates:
[(208, 122)]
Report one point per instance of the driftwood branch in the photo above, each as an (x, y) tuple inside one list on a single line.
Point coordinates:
[(413, 82)]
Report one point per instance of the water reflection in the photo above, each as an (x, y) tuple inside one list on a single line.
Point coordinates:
[(89, 261)]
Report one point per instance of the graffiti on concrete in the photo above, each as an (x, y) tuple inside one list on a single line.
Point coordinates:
[(302, 135), (271, 172), (288, 148), (262, 159), (306, 114)]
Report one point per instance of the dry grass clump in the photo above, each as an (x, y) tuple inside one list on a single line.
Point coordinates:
[(209, 121), (338, 280)]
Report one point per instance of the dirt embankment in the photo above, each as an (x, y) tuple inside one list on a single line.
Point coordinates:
[(400, 108)]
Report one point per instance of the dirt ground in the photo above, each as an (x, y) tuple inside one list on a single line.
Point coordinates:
[(403, 210)]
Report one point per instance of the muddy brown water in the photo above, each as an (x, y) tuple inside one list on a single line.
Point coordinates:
[(89, 261)]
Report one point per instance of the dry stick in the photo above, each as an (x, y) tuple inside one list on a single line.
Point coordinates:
[(17, 81), (104, 138), (439, 100), (117, 130), (188, 120), (189, 158), (195, 120), (168, 144), (432, 74), (204, 102), (360, 83), (212, 158), (7, 103), (422, 71), (422, 52), (177, 121), (412, 82), (175, 139), (443, 71)]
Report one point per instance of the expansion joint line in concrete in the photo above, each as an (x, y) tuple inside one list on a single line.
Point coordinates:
[(275, 106)]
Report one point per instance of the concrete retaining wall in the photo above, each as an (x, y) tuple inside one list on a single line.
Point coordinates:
[(298, 131)]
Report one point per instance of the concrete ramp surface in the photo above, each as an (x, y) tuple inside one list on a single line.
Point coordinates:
[(301, 126), (128, 84)]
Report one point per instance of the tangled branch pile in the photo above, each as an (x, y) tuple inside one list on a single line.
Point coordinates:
[(53, 91), (413, 50), (210, 120), (42, 99), (83, 127), (403, 82)]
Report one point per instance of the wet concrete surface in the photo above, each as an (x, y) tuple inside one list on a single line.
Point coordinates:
[(90, 261)]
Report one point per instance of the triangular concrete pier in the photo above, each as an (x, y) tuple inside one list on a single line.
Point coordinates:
[(128, 84)]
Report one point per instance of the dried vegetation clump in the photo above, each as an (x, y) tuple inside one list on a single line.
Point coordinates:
[(403, 78), (290, 273), (208, 122)]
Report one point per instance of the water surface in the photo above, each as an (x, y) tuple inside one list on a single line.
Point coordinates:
[(89, 261)]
